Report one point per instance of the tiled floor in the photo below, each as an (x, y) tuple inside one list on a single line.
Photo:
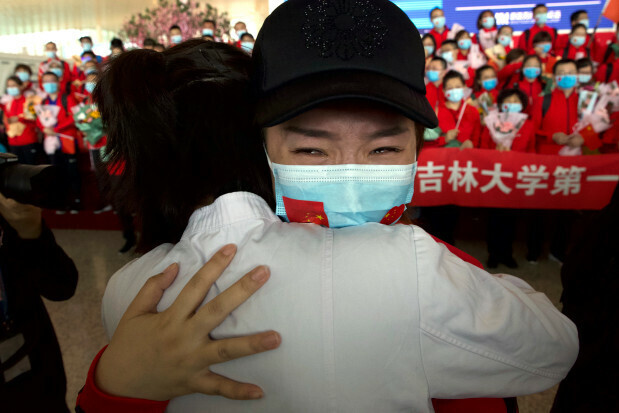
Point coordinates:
[(78, 320)]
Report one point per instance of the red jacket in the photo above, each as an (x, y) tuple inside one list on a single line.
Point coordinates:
[(439, 38), (435, 95), (527, 46), (16, 108), (92, 400), (570, 52), (509, 74), (65, 125), (523, 142), (470, 125), (548, 63), (608, 72), (532, 89), (561, 116)]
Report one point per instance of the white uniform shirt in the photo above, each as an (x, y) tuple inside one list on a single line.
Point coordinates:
[(373, 318)]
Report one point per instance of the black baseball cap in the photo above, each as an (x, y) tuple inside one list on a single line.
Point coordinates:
[(310, 52)]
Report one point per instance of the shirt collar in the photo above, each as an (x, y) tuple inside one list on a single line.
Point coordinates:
[(229, 209)]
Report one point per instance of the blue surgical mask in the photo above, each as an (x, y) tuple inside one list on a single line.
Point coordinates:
[(429, 49), (577, 41), (439, 22), (490, 84), (240, 33), (342, 195), (90, 86), (541, 18), (247, 46), (176, 39), (488, 22), (464, 44), (566, 81), (12, 91), (455, 95), (505, 40), (50, 54), (87, 47), (23, 76), (50, 88), (512, 107), (531, 72), (585, 22), (433, 75), (545, 47), (207, 32), (57, 71), (448, 56), (584, 79), (90, 71)]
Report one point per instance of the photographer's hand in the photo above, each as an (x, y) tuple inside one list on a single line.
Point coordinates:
[(25, 219), (158, 356)]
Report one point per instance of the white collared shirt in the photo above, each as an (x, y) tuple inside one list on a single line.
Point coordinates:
[(373, 318)]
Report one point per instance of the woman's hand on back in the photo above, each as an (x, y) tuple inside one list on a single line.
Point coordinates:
[(159, 356)]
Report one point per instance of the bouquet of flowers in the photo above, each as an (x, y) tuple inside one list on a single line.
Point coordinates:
[(432, 134), (504, 126), (88, 120), (598, 115), (586, 102), (48, 116)]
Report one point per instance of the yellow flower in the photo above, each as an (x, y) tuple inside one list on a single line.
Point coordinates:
[(95, 114)]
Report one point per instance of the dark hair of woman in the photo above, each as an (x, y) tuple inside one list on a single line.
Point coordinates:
[(182, 122), (514, 55), (477, 81), (24, 67), (15, 79), (505, 93)]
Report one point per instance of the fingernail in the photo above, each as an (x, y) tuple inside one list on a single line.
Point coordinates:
[(171, 268), (255, 394), (260, 274), (228, 250), (270, 341)]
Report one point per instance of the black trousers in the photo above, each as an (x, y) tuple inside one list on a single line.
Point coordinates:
[(501, 232), (27, 154), (442, 221)]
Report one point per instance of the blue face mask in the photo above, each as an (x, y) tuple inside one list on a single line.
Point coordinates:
[(585, 22), (433, 75), (207, 32), (439, 22), (57, 71), (240, 33), (176, 39), (505, 40), (455, 95), (531, 72), (90, 86), (429, 49), (490, 84), (12, 91), (448, 56), (512, 107), (90, 71), (584, 79), (247, 46), (464, 44), (566, 81), (50, 88), (487, 22), (50, 54), (545, 47), (87, 47), (343, 195), (23, 76), (577, 41), (541, 18)]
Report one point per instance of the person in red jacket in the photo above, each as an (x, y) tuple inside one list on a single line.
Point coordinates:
[(554, 120), (434, 88), (463, 38), (20, 125), (530, 80), (24, 73), (563, 40), (485, 91), (511, 70), (585, 74), (61, 68), (487, 31), (608, 72), (542, 46), (458, 120), (439, 30), (540, 14), (577, 44), (497, 53), (429, 47), (64, 132), (450, 52)]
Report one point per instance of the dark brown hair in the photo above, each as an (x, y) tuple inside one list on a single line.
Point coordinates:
[(181, 121)]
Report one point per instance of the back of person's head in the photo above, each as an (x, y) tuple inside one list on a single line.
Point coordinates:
[(148, 42), (563, 62), (506, 93), (514, 55), (168, 116)]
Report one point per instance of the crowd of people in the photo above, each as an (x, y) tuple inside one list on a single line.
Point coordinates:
[(470, 76)]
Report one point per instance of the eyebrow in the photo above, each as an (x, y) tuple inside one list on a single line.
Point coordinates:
[(319, 133)]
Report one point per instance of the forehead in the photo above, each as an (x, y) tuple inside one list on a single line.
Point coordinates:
[(566, 67), (448, 46), (437, 12), (453, 83), (49, 78)]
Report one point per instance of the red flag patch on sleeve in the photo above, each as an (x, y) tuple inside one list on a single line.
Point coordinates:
[(306, 211)]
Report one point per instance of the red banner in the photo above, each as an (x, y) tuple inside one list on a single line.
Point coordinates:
[(489, 178)]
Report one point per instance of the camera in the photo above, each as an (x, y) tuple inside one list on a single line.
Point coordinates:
[(40, 185)]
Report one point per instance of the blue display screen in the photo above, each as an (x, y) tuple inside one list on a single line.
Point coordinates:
[(518, 15)]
